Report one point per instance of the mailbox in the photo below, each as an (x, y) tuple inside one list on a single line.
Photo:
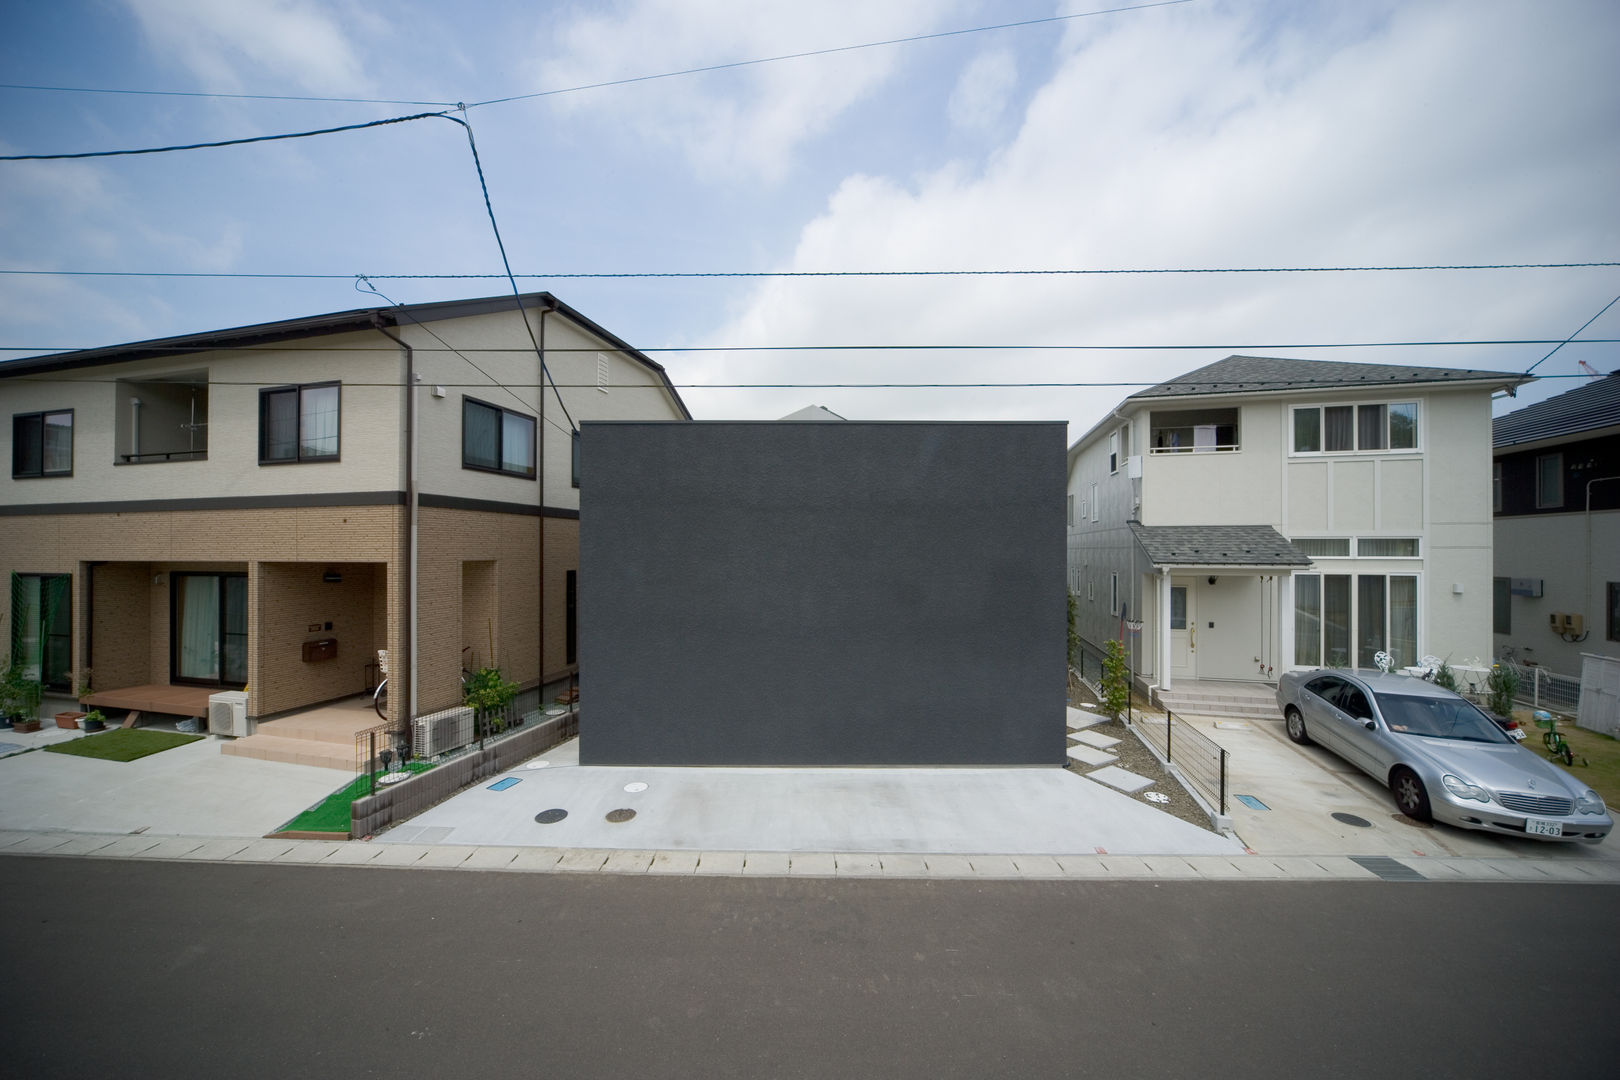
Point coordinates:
[(320, 649)]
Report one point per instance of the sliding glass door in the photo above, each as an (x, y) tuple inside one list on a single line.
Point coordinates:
[(208, 629), (42, 628)]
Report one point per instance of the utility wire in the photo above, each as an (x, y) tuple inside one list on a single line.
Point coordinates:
[(1571, 337), (1031, 272), (1080, 384), (216, 94), (223, 142), (823, 52)]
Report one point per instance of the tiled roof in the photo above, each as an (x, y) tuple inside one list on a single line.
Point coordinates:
[(1591, 405), (1217, 545), (1250, 374)]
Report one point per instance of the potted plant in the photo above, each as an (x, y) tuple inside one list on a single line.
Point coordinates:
[(19, 699), (93, 721)]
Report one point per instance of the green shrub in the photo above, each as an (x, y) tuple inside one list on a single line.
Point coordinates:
[(1116, 686), (1074, 636), (1445, 677), (489, 695), (1502, 687)]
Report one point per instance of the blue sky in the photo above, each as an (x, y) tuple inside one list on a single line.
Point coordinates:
[(1201, 134)]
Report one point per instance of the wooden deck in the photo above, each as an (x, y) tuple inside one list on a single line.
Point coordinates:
[(155, 698)]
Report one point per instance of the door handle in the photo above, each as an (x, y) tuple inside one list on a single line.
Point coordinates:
[(1192, 638)]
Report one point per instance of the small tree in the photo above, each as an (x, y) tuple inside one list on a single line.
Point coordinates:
[(1445, 678), (1074, 636), (1502, 686), (1116, 686), (489, 695)]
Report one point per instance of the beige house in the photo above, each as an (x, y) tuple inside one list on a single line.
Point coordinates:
[(268, 506), (1260, 514)]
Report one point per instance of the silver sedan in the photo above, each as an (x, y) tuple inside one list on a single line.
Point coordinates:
[(1441, 757)]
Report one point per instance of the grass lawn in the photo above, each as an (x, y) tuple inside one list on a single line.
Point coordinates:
[(1602, 774), (122, 744), (331, 814)]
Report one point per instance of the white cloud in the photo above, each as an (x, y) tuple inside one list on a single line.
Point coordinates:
[(748, 119), (226, 42), (983, 91), (1204, 137)]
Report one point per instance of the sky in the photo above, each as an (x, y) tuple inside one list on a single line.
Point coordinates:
[(1197, 135)]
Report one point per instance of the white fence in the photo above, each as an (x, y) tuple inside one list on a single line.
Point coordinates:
[(1600, 694), (1543, 689)]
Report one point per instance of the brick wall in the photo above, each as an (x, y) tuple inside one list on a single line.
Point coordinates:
[(285, 601)]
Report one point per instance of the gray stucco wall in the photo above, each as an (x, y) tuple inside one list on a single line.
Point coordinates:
[(822, 594)]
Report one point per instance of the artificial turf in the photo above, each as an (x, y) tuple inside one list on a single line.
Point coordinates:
[(332, 814), (122, 744)]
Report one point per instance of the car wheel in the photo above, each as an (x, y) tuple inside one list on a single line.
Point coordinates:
[(1410, 798), (1296, 727)]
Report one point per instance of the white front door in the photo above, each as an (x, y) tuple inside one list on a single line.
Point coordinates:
[(1183, 631)]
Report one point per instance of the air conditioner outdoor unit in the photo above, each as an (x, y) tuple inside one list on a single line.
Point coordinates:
[(227, 714), (442, 731)]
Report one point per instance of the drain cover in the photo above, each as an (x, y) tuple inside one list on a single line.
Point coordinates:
[(1156, 796), (635, 787), (1351, 819), (538, 764), (1414, 822), (550, 817), (621, 815)]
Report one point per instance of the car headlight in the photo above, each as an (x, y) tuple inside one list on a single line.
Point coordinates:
[(1464, 790), (1589, 802)]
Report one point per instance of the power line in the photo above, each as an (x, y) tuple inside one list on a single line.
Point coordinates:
[(1572, 337), (217, 94), (822, 52), (222, 142), (645, 274), (1082, 384)]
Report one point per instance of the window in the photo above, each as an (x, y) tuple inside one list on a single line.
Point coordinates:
[(1496, 487), (1385, 619), (1550, 482), (1198, 431), (1113, 593), (1613, 630), (299, 423), (1178, 607), (1113, 453), (42, 628), (1380, 547), (1343, 429), (1094, 507), (602, 372), (573, 446), (494, 439), (1322, 619), (1071, 509), (42, 444), (1502, 605), (208, 629), (1324, 547)]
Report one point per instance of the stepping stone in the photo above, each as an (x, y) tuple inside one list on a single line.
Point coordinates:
[(1091, 756), (1123, 779), (1077, 718), (1091, 738)]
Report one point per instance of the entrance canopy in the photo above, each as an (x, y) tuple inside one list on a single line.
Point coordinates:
[(1198, 546)]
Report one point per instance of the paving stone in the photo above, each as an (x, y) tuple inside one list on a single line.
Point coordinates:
[(84, 845), (1170, 866), (39, 843), (173, 847), (1086, 866), (1213, 867), (532, 860), (353, 853), (674, 862), (1126, 866), (1091, 738), (858, 865), (447, 856), (771, 863), (217, 850), (263, 851), (812, 864), (401, 854), (1119, 778), (1090, 756), (719, 862), (309, 851), (7, 839), (627, 862), (1037, 866), (129, 847), (1081, 718), (901, 865), (490, 858), (583, 860)]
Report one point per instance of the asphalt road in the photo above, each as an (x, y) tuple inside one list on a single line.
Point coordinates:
[(130, 969)]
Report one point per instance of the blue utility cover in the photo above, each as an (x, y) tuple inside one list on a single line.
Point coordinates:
[(1251, 802), (502, 785)]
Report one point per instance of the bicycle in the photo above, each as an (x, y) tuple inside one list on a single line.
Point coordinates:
[(1554, 740), (379, 696)]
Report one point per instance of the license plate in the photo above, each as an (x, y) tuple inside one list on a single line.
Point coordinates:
[(1543, 827), (1517, 733)]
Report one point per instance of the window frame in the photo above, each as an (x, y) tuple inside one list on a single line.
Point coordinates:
[(297, 390), (1496, 486), (1113, 592), (501, 413), (42, 416), (1357, 633), (1612, 613), (1388, 406), (1542, 501), (1417, 547), (1502, 605)]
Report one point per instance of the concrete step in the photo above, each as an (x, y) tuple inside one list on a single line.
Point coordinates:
[(315, 731), (326, 755), (1258, 710)]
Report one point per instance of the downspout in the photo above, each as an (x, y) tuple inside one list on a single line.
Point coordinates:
[(540, 465), (405, 704), (1586, 596)]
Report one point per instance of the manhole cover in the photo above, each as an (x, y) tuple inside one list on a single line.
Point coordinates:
[(620, 815), (550, 817), (1414, 822), (1351, 819), (635, 786)]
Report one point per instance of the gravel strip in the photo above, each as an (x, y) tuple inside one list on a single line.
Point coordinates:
[(1137, 758)]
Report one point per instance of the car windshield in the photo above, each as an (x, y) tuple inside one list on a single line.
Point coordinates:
[(1438, 718)]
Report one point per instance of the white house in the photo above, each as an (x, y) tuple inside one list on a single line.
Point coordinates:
[(1259, 514)]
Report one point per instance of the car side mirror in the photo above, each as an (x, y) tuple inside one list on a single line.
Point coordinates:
[(1372, 725)]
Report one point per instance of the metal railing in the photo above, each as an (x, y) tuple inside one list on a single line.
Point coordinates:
[(1195, 755), (1543, 689), (444, 734)]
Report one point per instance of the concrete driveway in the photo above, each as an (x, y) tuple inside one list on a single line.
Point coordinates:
[(1303, 786)]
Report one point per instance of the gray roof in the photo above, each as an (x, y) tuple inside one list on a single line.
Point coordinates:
[(1217, 545), (814, 414), (1591, 405), (1251, 374)]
